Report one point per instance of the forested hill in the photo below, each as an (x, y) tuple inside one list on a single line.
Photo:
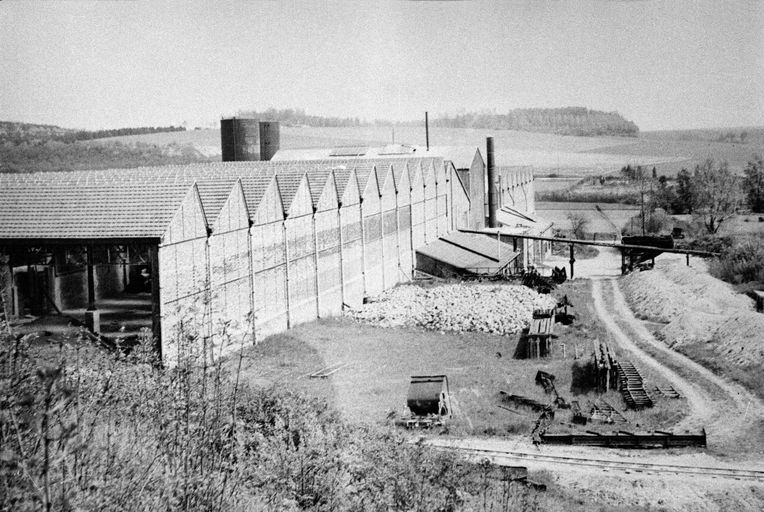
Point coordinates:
[(28, 147), (560, 121), (18, 133)]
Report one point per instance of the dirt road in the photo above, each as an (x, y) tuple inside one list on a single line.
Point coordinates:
[(731, 415)]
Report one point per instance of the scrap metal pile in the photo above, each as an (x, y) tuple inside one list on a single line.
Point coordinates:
[(492, 308)]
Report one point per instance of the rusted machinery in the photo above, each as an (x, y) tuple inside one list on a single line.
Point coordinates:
[(428, 400), (623, 439)]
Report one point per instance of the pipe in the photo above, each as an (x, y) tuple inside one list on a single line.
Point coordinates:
[(492, 199), (427, 130)]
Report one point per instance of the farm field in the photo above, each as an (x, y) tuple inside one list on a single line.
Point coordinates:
[(547, 153), (683, 154)]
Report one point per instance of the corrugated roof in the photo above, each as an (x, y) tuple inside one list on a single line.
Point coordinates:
[(470, 252)]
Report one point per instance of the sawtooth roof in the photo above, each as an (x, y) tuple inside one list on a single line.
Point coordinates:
[(140, 203)]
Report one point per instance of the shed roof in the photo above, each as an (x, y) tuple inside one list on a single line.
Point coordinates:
[(470, 252)]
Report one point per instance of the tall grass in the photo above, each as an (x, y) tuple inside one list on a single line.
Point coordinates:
[(82, 429)]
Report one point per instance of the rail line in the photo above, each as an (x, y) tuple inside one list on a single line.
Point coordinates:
[(638, 467)]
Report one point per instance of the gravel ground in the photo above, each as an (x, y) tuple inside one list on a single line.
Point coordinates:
[(492, 308)]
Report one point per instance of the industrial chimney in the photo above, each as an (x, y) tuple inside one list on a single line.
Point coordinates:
[(269, 139), (493, 194), (238, 139)]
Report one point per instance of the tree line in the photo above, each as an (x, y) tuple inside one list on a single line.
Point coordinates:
[(711, 191), (21, 133), (561, 121)]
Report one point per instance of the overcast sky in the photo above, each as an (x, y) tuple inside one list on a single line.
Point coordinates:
[(107, 64)]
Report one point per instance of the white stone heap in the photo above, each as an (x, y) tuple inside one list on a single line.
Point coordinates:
[(492, 308)]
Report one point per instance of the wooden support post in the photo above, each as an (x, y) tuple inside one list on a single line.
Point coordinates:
[(91, 280), (688, 259), (514, 244), (623, 261), (572, 260), (342, 258), (156, 316)]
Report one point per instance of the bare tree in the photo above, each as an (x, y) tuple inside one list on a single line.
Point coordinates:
[(578, 224), (717, 194)]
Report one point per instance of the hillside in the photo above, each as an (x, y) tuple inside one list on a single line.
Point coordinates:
[(28, 147)]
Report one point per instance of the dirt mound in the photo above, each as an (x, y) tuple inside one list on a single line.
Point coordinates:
[(671, 289), (495, 309), (740, 338), (698, 309)]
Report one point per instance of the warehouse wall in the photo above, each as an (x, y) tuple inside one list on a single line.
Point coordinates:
[(328, 257), (372, 237), (418, 224), (290, 264), (184, 280), (268, 265), (301, 258), (230, 271), (403, 212), (352, 244), (430, 205)]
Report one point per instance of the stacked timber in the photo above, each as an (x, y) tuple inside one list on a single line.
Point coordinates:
[(605, 367), (540, 333), (632, 386)]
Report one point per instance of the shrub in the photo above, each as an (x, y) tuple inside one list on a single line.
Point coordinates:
[(740, 263)]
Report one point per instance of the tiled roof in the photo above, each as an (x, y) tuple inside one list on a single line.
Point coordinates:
[(289, 183), (60, 210), (139, 203)]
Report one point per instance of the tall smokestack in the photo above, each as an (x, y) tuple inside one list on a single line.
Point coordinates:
[(493, 196), (427, 130)]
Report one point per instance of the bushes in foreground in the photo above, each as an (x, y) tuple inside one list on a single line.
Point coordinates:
[(86, 430)]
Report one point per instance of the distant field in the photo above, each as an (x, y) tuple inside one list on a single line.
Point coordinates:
[(684, 154), (548, 154)]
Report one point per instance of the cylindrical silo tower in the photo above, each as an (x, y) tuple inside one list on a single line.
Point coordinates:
[(238, 139), (269, 139)]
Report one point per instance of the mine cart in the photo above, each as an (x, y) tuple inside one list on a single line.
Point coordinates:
[(428, 400)]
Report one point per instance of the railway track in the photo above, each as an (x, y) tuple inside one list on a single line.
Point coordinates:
[(628, 467)]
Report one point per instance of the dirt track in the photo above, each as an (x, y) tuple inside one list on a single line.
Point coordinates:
[(727, 411)]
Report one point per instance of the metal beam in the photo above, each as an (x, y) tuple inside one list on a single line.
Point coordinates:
[(692, 252)]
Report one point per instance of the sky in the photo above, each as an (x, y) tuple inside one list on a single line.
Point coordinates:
[(95, 64)]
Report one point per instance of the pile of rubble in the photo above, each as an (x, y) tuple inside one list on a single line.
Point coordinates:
[(491, 308)]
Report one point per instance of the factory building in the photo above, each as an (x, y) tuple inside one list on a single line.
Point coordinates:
[(249, 248), (207, 244)]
